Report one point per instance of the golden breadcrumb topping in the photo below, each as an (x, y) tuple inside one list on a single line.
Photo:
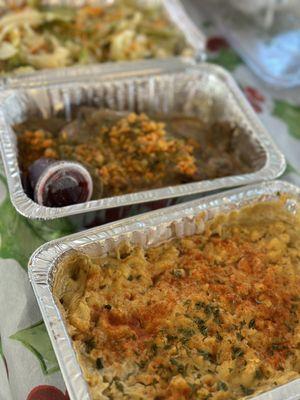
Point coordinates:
[(128, 152), (133, 153), (211, 316)]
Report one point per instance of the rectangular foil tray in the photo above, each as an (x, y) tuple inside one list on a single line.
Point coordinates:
[(163, 87), (175, 10), (145, 230)]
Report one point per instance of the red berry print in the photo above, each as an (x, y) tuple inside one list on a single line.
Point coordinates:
[(46, 392), (216, 43), (255, 98)]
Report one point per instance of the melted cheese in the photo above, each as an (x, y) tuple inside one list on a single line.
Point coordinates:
[(212, 316)]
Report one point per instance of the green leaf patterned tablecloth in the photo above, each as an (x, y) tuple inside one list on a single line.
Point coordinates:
[(28, 367)]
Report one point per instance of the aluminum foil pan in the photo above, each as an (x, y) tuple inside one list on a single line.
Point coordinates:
[(176, 12), (145, 230), (266, 34), (163, 87)]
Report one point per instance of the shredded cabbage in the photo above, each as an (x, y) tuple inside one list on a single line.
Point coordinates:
[(7, 51), (51, 37), (27, 16), (59, 58)]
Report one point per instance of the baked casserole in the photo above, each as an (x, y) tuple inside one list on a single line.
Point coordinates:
[(127, 152), (209, 316)]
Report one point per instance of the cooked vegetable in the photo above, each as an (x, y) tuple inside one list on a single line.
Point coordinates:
[(37, 37), (160, 339)]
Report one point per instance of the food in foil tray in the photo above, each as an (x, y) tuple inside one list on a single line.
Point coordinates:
[(127, 152), (37, 37), (210, 316)]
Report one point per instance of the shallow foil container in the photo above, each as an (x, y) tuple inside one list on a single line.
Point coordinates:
[(265, 34), (145, 230), (160, 87), (176, 12)]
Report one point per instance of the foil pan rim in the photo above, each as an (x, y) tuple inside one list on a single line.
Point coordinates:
[(274, 166), (45, 258), (178, 15)]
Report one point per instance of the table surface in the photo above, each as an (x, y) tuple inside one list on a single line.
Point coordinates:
[(28, 366)]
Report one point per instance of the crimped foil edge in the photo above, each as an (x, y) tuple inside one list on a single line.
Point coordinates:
[(177, 14), (274, 166), (177, 220)]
